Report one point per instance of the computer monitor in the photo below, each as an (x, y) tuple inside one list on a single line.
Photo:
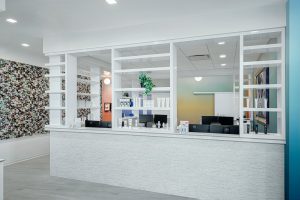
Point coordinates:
[(160, 118), (209, 120), (145, 119), (226, 120)]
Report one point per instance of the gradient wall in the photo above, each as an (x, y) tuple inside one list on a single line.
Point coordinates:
[(293, 142), (191, 107)]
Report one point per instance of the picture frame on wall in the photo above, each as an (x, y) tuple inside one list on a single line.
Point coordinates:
[(107, 107), (262, 78)]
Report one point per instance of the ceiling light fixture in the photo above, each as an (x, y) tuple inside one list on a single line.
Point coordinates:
[(199, 78), (111, 2), (106, 81), (221, 43), (223, 56), (223, 65), (25, 45), (12, 21), (254, 31)]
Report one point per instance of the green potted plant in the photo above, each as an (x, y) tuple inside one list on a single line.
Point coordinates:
[(146, 82)]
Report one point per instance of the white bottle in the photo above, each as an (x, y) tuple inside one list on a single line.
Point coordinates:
[(266, 103), (256, 102)]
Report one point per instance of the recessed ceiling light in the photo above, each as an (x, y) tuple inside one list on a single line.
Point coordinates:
[(12, 21), (199, 78), (221, 43), (111, 2), (25, 45), (223, 65), (254, 31), (223, 56)]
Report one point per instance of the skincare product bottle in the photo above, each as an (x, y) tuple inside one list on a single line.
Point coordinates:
[(256, 129), (256, 102), (266, 103)]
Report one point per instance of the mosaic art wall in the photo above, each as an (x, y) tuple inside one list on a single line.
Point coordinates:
[(22, 99)]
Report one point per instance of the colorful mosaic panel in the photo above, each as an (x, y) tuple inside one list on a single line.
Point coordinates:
[(22, 100)]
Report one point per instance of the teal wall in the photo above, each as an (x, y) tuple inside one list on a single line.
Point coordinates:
[(293, 102)]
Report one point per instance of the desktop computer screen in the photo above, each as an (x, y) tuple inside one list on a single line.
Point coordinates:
[(160, 118), (208, 120), (146, 119)]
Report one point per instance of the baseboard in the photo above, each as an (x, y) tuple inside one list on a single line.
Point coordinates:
[(25, 148), (26, 159)]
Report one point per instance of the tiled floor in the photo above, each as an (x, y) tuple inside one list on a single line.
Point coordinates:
[(30, 180)]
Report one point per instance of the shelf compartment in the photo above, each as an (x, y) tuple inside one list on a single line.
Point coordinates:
[(55, 92), (80, 80), (143, 70), (86, 94), (88, 107), (156, 89), (54, 108), (55, 75), (262, 109), (263, 48), (257, 64), (55, 64), (269, 86), (142, 57), (143, 108)]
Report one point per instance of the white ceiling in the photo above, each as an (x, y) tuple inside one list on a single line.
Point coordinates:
[(38, 18)]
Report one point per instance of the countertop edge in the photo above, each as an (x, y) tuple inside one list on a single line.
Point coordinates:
[(194, 136)]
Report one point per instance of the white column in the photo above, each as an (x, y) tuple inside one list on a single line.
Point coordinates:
[(71, 89), (173, 87), (1, 179)]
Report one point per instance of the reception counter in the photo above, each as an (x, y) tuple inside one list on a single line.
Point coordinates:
[(203, 166)]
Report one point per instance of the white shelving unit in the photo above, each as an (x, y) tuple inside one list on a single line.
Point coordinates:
[(272, 57), (56, 75), (121, 59), (94, 77)]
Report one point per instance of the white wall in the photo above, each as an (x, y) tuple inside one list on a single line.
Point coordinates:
[(228, 21), (1, 179), (224, 104), (23, 56), (24, 148)]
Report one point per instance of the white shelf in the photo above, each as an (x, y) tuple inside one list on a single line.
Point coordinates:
[(54, 108), (87, 94), (256, 64), (156, 89), (269, 86), (262, 109), (262, 48), (88, 107), (87, 81), (142, 108), (55, 75), (142, 57), (143, 70), (55, 64), (55, 92)]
